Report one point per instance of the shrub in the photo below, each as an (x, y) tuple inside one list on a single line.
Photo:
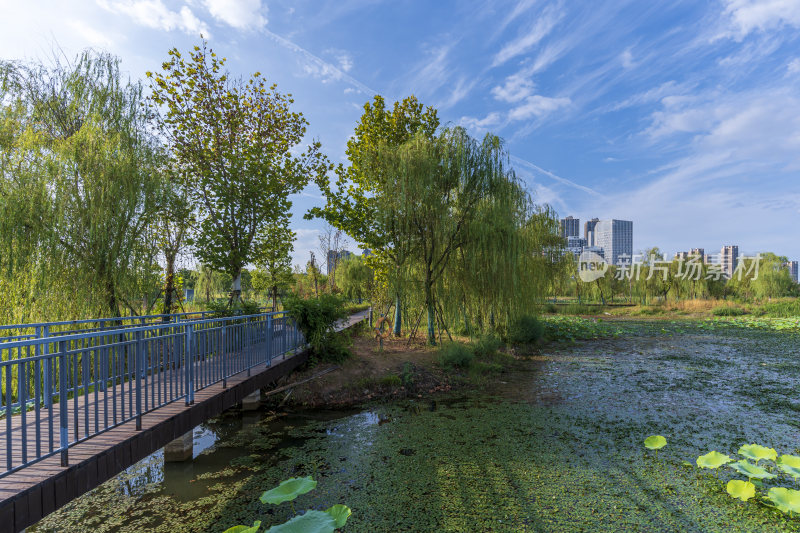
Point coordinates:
[(220, 308), (486, 346), (525, 330), (316, 318), (407, 377), (391, 380), (355, 308), (455, 355), (728, 311), (782, 309)]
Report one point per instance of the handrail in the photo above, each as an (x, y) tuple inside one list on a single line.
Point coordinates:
[(56, 391), (44, 329)]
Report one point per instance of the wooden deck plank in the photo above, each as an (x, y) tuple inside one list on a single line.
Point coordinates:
[(34, 491)]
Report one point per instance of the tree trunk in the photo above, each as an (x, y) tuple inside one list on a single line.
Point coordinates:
[(274, 298), (169, 288), (431, 310), (398, 316), (236, 289)]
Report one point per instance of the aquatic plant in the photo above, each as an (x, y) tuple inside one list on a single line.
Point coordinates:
[(783, 498), (311, 521), (713, 459), (744, 467), (787, 500), (288, 490), (756, 452), (790, 464), (655, 442), (744, 490)]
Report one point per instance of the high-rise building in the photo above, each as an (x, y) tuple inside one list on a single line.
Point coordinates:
[(729, 259), (334, 257), (575, 245), (588, 231), (570, 227), (699, 252), (792, 266), (615, 237)]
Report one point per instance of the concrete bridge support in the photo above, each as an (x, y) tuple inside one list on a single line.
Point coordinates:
[(252, 401), (179, 449)]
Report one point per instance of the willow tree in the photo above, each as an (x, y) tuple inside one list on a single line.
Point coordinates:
[(478, 243), (354, 203), (79, 183), (236, 140)]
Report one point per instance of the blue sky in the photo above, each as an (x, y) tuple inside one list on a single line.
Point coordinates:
[(683, 116)]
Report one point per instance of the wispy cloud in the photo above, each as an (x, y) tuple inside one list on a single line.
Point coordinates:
[(239, 14), (518, 161), (538, 106), (154, 14), (746, 16), (318, 67), (538, 31)]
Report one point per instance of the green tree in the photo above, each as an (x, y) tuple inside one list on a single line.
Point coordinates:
[(274, 261), (79, 180), (435, 194), (356, 278), (173, 228), (353, 204), (236, 141)]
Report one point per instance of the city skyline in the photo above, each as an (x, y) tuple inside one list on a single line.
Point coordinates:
[(712, 253)]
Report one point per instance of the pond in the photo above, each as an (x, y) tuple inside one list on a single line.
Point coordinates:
[(553, 446)]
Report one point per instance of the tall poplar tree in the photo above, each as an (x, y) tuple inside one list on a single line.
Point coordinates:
[(236, 141)]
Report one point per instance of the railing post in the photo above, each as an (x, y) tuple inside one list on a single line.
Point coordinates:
[(224, 358), (138, 358), (269, 340), (48, 384), (188, 362), (63, 403)]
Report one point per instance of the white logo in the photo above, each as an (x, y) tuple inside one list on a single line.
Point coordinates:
[(591, 266)]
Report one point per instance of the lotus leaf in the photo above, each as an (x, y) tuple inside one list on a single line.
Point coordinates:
[(757, 452), (340, 514), (245, 529), (288, 490), (790, 464), (655, 442), (744, 467), (787, 500), (744, 490), (713, 459), (309, 522)]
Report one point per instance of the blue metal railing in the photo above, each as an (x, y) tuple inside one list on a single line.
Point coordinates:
[(58, 390), (35, 330)]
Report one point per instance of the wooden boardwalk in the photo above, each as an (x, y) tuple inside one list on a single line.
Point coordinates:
[(28, 495)]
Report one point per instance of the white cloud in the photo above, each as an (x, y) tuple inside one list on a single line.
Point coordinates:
[(746, 16), (317, 67), (92, 35), (240, 14), (793, 66), (516, 87), (154, 14), (481, 125), (626, 58), (342, 57), (543, 25), (459, 92), (538, 106), (669, 90)]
